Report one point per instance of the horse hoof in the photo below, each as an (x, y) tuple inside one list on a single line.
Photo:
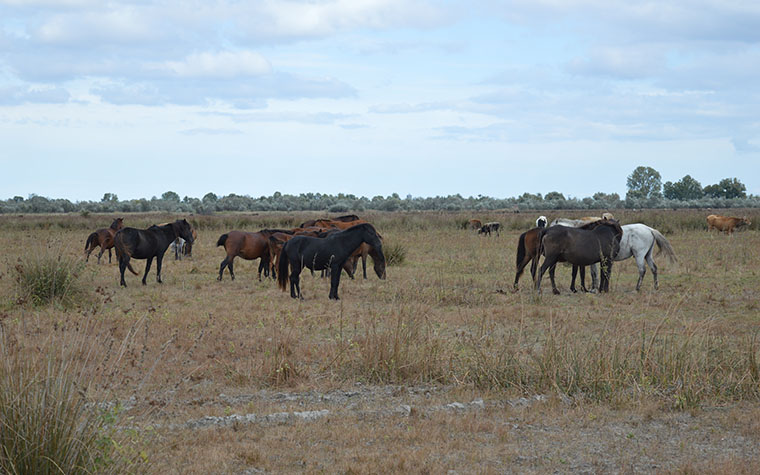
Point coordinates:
[(555, 292)]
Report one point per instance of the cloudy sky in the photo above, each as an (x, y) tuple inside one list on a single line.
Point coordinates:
[(372, 97)]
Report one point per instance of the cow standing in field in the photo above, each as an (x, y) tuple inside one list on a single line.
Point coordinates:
[(726, 224)]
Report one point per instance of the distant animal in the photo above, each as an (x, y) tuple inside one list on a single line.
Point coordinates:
[(726, 224), (474, 224), (346, 219), (104, 238), (489, 228), (322, 253), (541, 222), (580, 247), (131, 243)]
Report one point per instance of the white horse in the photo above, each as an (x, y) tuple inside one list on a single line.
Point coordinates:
[(638, 242), (541, 222)]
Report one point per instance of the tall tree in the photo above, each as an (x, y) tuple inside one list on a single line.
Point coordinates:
[(644, 183), (687, 188), (727, 188), (170, 196)]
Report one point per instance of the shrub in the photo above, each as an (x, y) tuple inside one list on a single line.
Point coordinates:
[(46, 277)]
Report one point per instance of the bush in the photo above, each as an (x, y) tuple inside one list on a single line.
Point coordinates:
[(47, 277)]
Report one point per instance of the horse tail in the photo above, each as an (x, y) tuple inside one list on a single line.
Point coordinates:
[(91, 239), (663, 245), (222, 240), (282, 268), (520, 249), (122, 250)]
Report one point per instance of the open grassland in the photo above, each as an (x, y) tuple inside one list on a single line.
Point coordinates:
[(440, 367)]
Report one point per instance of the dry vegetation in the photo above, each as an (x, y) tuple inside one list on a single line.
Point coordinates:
[(662, 380)]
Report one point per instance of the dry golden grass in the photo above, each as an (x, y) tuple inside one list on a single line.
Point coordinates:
[(630, 378)]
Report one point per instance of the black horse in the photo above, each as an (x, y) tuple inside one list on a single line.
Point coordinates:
[(600, 242), (330, 252), (147, 244)]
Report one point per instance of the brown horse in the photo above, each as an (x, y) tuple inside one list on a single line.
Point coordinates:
[(103, 238), (527, 251), (247, 245), (474, 224), (346, 219)]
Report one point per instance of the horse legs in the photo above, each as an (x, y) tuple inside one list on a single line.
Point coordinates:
[(594, 278), (653, 266), (552, 269), (641, 264), (521, 267), (101, 253), (295, 287), (364, 264), (583, 278), (334, 282), (546, 265), (147, 268), (606, 267), (222, 266), (123, 261), (159, 260), (109, 255)]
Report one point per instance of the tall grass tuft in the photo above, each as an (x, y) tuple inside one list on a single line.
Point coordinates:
[(47, 277), (395, 254), (46, 425)]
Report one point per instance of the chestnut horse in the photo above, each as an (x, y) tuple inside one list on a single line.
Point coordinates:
[(248, 246), (103, 238), (346, 219)]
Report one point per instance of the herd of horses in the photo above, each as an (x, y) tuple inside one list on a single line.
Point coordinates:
[(336, 245)]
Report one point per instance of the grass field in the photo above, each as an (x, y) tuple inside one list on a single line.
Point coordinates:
[(440, 367)]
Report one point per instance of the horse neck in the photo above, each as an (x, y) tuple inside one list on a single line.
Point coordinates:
[(168, 231), (356, 236)]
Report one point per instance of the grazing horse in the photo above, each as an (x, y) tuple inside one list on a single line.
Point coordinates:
[(726, 224), (580, 247), (104, 238), (330, 252), (346, 219), (488, 228), (474, 224), (148, 243)]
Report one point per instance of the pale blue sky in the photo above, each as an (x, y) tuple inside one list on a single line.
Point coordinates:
[(373, 97)]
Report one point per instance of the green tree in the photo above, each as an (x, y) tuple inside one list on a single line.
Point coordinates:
[(554, 195), (727, 188), (210, 198), (170, 196), (687, 188), (644, 183), (109, 198)]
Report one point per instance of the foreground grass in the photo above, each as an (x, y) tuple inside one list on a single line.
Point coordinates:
[(445, 318)]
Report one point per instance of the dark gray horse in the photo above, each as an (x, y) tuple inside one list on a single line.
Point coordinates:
[(147, 244), (330, 252), (580, 247)]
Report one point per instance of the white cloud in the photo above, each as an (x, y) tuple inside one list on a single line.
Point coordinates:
[(226, 64)]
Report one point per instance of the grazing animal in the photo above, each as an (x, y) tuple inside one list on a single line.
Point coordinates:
[(541, 222), (131, 243), (346, 219), (489, 228), (474, 224), (580, 247), (726, 224), (330, 252), (104, 238)]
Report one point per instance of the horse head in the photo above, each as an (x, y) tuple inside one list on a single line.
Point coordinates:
[(541, 222), (117, 224), (184, 230)]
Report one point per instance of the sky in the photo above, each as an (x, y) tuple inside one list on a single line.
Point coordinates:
[(374, 97)]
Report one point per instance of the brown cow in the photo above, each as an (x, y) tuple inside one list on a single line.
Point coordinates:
[(726, 224)]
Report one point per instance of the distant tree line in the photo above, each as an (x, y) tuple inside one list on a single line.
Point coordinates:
[(645, 190)]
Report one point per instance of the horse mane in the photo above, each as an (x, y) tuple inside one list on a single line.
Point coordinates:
[(347, 218), (276, 230)]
